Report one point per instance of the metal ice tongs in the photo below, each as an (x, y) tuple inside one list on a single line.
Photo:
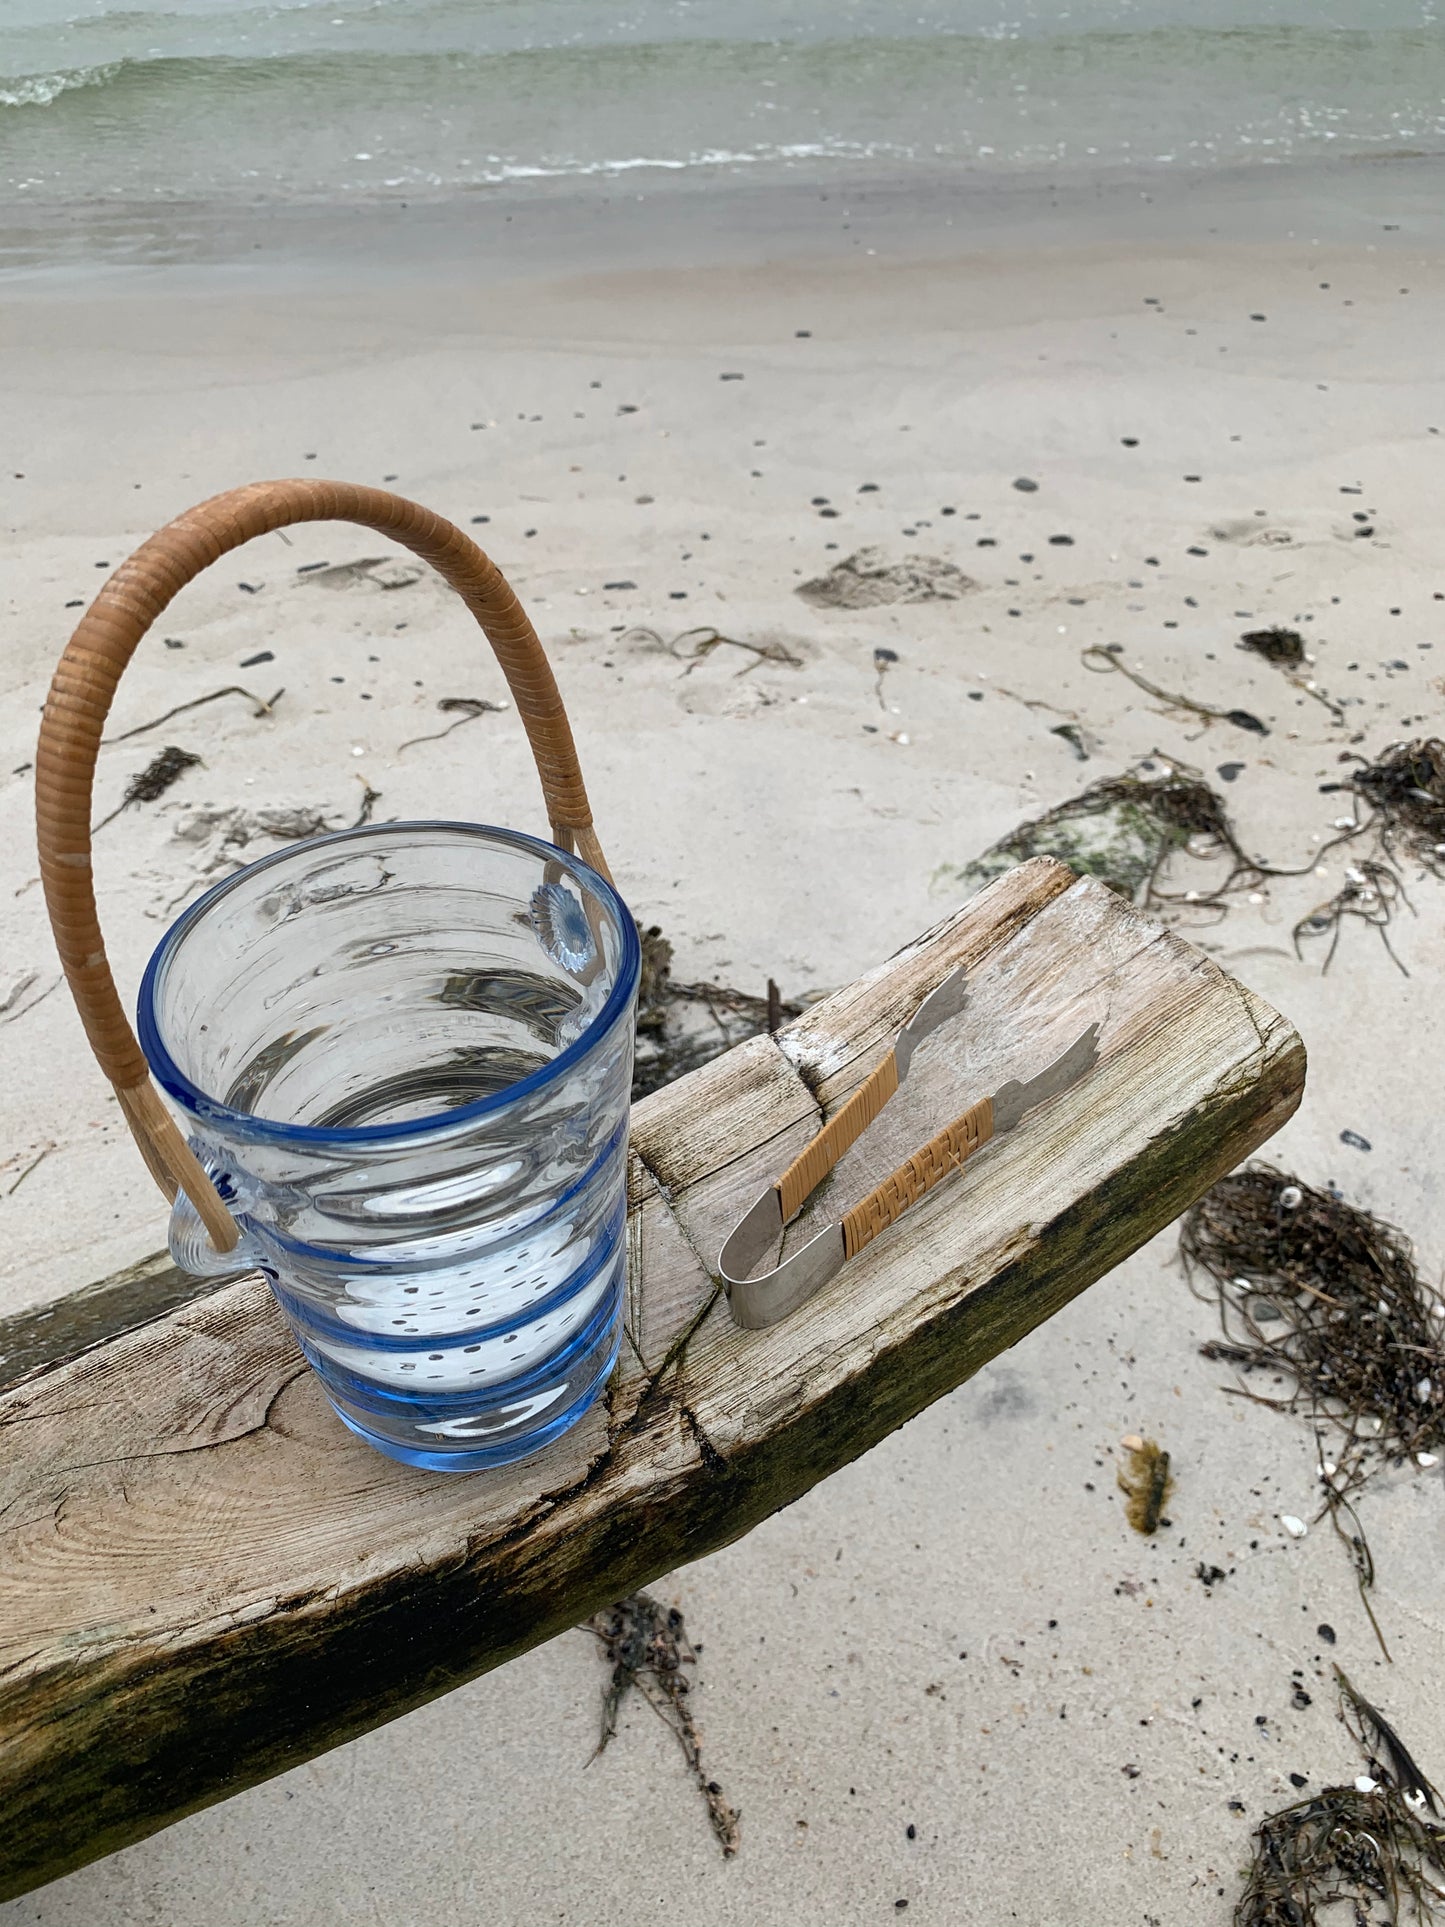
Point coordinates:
[(757, 1302)]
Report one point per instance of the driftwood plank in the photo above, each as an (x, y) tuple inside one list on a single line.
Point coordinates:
[(204, 1579)]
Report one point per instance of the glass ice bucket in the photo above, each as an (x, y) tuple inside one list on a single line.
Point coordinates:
[(402, 1053)]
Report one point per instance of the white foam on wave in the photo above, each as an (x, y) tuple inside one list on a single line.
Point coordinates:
[(38, 90)]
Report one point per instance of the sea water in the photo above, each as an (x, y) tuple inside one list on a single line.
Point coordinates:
[(329, 100)]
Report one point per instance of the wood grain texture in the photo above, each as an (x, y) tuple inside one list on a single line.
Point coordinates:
[(204, 1579)]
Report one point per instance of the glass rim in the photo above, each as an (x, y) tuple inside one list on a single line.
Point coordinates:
[(201, 1104)]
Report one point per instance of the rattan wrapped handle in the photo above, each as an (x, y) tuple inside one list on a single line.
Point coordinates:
[(79, 702), (938, 1158), (842, 1131)]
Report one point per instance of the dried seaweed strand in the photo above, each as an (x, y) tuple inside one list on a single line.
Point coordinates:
[(471, 707), (704, 639), (648, 1646), (1099, 658), (263, 708), (1371, 891)]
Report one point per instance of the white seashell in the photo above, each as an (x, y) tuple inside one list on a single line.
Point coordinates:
[(1291, 1197), (1427, 1459), (1327, 1469), (1296, 1528), (1364, 1784), (1423, 1391)]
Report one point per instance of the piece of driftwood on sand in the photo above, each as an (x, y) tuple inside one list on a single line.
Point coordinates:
[(204, 1579)]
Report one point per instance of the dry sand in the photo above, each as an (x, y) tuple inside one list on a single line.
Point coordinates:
[(958, 1637)]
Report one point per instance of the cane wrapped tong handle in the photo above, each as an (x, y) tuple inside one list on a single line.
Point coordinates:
[(843, 1130), (80, 697), (760, 1301)]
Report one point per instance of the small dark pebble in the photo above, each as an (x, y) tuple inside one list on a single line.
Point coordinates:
[(619, 585), (261, 655), (251, 588), (1242, 719), (1326, 1632), (948, 511), (1062, 541), (1301, 1699), (78, 603), (627, 408), (912, 1831), (802, 334), (1355, 1141), (1298, 1779), (1228, 771), (678, 595), (882, 655), (987, 542), (1130, 1772), (1236, 1806), (1025, 485), (480, 518), (975, 695), (867, 488), (174, 642), (1196, 550), (828, 512), (102, 565), (1257, 317), (310, 568), (730, 377), (1209, 1575), (1130, 441)]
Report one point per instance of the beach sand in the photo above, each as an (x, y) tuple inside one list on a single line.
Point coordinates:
[(951, 1676)]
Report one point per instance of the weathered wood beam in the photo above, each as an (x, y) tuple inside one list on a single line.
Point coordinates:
[(204, 1579)]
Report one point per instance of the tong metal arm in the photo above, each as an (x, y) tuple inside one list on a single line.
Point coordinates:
[(759, 1302)]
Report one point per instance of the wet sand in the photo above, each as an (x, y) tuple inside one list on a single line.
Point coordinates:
[(959, 1634)]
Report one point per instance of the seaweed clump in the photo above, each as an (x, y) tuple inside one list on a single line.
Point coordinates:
[(1379, 1840), (1123, 830), (1329, 1297), (1406, 790), (648, 1648), (1285, 648)]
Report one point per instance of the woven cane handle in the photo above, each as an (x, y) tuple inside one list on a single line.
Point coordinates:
[(79, 702), (940, 1156), (839, 1134)]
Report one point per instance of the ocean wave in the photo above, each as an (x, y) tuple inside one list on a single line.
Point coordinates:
[(39, 90)]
